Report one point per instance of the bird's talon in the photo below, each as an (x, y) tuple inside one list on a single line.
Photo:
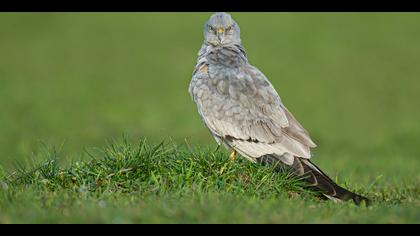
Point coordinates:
[(233, 155)]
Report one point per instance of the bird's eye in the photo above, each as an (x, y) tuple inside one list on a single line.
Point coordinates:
[(229, 28), (211, 29)]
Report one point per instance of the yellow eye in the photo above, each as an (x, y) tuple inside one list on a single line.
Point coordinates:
[(229, 28), (211, 29)]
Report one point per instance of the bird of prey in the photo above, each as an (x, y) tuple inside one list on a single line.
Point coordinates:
[(243, 111)]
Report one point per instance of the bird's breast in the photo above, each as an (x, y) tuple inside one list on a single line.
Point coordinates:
[(230, 82)]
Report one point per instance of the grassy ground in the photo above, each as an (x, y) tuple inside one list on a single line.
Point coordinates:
[(129, 183), (75, 80)]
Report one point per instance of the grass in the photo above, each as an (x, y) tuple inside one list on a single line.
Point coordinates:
[(168, 183), (74, 80)]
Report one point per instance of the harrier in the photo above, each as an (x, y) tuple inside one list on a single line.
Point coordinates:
[(243, 111)]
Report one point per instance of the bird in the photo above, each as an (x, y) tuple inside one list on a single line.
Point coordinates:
[(243, 111)]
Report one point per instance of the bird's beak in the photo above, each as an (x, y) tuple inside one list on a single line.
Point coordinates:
[(220, 34)]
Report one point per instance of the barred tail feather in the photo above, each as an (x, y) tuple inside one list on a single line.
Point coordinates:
[(317, 179)]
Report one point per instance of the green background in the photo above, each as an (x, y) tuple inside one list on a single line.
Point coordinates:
[(79, 79)]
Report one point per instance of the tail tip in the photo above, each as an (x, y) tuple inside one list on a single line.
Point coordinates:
[(362, 201)]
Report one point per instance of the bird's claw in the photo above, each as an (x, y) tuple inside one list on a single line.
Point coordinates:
[(233, 155)]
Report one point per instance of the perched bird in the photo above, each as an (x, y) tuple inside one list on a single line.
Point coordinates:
[(243, 111)]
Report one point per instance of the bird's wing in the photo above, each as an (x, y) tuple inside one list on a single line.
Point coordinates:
[(244, 109)]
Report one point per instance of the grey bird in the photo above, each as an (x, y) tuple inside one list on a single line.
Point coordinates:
[(243, 111)]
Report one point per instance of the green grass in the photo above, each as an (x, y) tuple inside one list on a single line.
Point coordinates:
[(74, 80), (167, 183)]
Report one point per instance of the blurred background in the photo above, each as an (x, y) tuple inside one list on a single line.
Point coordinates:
[(80, 79)]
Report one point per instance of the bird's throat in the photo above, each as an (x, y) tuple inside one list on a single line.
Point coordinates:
[(229, 55)]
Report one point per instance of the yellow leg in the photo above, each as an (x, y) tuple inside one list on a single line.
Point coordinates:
[(233, 155)]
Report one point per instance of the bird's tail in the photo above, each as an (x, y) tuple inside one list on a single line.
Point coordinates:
[(317, 179)]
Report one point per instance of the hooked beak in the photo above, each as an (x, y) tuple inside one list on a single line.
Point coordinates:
[(220, 34)]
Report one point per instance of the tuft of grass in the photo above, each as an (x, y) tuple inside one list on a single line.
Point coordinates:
[(156, 170), (168, 183)]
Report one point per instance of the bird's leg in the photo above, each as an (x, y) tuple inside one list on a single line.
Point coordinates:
[(233, 155)]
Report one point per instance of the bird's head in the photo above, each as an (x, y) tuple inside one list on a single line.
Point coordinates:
[(221, 30)]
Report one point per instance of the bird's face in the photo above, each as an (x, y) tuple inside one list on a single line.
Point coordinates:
[(221, 30)]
